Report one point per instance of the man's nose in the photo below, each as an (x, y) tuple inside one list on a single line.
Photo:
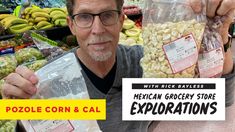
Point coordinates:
[(97, 27)]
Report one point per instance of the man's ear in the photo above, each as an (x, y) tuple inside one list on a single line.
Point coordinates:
[(121, 20), (71, 25)]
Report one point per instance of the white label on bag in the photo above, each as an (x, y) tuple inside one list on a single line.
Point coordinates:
[(51, 125), (148, 99), (211, 63), (181, 53)]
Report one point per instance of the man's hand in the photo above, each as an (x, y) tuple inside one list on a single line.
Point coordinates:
[(224, 8), (20, 84)]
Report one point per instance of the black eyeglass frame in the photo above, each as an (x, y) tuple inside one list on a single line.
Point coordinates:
[(93, 16)]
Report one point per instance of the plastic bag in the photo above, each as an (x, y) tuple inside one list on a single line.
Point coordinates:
[(211, 58), (8, 125), (172, 35), (27, 55), (7, 65), (62, 79), (48, 47), (35, 65)]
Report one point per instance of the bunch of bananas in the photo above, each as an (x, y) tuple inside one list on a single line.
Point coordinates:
[(37, 17), (58, 16), (14, 24)]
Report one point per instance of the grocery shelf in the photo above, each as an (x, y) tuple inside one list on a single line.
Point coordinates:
[(55, 33)]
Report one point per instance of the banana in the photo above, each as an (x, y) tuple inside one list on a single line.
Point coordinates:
[(42, 24), (18, 26), (20, 30), (27, 10), (37, 10), (47, 26), (39, 19), (40, 14), (63, 23), (2, 16), (56, 12), (31, 23), (58, 22), (48, 10), (27, 16), (7, 18), (59, 9), (31, 19), (58, 16), (14, 21)]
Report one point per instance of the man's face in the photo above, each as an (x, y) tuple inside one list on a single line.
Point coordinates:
[(98, 41)]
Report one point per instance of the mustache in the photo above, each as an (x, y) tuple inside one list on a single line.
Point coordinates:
[(100, 39)]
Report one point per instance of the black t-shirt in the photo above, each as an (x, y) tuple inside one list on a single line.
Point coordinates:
[(103, 84)]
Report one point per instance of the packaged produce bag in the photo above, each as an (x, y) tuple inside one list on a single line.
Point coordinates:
[(172, 35), (211, 57), (61, 79), (8, 62)]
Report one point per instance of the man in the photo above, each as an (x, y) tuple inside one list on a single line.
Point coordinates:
[(96, 24)]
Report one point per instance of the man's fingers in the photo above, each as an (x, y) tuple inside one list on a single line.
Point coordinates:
[(226, 24), (23, 84), (212, 6), (27, 74), (225, 7), (196, 5), (9, 91)]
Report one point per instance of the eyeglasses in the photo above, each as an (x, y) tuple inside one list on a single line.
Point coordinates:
[(85, 20)]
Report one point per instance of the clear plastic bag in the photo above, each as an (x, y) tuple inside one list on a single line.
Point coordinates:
[(28, 55), (62, 79), (211, 57), (172, 35), (7, 65), (48, 47)]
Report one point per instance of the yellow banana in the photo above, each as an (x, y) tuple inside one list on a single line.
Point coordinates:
[(42, 24), (47, 26), (63, 23), (39, 19), (31, 19), (31, 23), (14, 21), (20, 30), (57, 12), (18, 26), (37, 10), (54, 9), (40, 14), (27, 16), (2, 16), (7, 19), (58, 16), (58, 22), (27, 10), (48, 10)]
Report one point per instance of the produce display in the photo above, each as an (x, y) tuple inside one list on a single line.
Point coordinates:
[(7, 126), (27, 55), (7, 65), (33, 18), (157, 35), (131, 34), (46, 17)]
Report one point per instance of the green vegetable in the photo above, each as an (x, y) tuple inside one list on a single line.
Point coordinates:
[(36, 65), (7, 65), (27, 55), (7, 125)]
